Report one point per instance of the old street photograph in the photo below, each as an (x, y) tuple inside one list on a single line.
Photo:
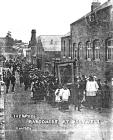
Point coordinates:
[(56, 70)]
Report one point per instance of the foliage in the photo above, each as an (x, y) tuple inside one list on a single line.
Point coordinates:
[(9, 40)]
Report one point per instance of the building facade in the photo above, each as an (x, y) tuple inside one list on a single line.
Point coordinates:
[(92, 41), (66, 47), (2, 45), (6, 51), (48, 50)]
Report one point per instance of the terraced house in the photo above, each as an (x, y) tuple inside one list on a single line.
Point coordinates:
[(92, 41)]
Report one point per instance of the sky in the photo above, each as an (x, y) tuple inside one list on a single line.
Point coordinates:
[(48, 17)]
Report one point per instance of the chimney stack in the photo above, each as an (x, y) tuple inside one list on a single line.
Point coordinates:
[(95, 4), (33, 38)]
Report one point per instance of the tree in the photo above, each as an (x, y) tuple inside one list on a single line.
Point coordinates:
[(9, 40)]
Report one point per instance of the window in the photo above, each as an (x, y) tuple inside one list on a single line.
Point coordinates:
[(109, 53), (64, 48), (110, 49), (88, 50), (80, 47), (74, 50), (97, 53), (97, 49), (92, 18), (69, 48), (75, 53)]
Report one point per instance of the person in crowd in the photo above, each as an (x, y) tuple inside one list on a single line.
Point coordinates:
[(21, 80), (8, 73), (7, 83), (1, 86), (26, 81), (51, 90), (29, 82), (65, 97), (99, 95), (91, 90), (76, 95), (106, 95), (13, 81), (83, 83), (81, 93), (58, 96), (32, 85), (4, 75)]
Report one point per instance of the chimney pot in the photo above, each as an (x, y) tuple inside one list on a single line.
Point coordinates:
[(95, 4)]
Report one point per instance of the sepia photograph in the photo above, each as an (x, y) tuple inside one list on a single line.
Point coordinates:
[(56, 70)]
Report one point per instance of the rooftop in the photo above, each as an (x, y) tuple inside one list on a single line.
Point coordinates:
[(102, 6), (50, 42)]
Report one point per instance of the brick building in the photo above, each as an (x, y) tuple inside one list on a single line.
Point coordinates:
[(92, 41), (66, 47)]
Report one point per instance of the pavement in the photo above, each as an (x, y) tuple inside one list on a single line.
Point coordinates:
[(25, 120)]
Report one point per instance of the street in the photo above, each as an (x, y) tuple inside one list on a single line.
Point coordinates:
[(28, 121), (57, 83)]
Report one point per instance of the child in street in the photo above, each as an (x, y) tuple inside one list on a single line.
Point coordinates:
[(65, 97), (58, 96)]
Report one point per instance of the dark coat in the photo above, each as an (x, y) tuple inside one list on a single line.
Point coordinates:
[(7, 81), (76, 94), (13, 79), (106, 96)]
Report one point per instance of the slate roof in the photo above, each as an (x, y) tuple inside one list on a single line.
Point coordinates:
[(102, 6), (50, 42)]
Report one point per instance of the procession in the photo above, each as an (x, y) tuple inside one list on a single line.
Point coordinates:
[(89, 92), (56, 80)]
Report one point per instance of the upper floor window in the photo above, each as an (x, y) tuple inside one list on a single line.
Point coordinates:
[(92, 17), (88, 50), (110, 49), (97, 49)]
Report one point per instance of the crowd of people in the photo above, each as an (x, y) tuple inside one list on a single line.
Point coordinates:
[(42, 85), (86, 91)]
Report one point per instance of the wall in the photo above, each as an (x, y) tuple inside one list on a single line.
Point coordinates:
[(85, 30), (65, 47)]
